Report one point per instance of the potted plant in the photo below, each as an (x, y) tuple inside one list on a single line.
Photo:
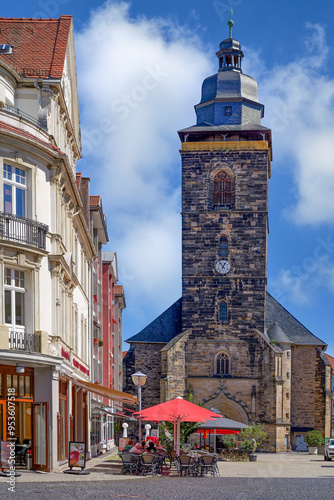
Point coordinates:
[(100, 343), (256, 435), (314, 439)]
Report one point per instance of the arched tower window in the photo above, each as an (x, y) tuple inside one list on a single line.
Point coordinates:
[(223, 247), (223, 312), (222, 187), (222, 364)]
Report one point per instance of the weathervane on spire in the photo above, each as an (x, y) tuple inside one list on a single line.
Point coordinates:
[(230, 23)]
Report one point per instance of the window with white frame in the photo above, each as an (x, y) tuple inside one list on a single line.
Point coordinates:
[(14, 190), (15, 283)]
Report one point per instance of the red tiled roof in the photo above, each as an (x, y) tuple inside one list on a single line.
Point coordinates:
[(39, 45), (78, 179), (331, 360), (119, 289), (94, 201), (23, 133)]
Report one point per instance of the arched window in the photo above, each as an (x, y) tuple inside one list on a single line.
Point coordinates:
[(222, 189), (222, 365), (223, 247), (223, 312)]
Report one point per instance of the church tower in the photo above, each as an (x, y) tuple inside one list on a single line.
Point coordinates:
[(225, 171)]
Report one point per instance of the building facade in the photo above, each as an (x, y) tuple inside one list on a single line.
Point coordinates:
[(45, 242), (227, 341), (51, 237)]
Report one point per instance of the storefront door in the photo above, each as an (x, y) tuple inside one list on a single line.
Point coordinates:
[(40, 441)]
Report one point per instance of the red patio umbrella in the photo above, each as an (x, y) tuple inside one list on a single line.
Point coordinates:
[(177, 410)]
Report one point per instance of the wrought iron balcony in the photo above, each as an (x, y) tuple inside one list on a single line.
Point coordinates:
[(22, 114), (22, 230), (22, 341)]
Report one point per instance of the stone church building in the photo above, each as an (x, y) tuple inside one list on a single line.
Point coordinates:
[(227, 341)]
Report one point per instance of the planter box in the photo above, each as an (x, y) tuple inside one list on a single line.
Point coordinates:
[(312, 450), (252, 458)]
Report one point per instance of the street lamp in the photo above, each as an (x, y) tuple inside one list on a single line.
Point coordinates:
[(139, 379)]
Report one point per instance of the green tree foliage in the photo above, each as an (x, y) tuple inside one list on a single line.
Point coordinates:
[(167, 433), (254, 433), (314, 438)]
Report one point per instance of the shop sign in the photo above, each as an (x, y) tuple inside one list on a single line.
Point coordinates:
[(81, 367), (65, 354)]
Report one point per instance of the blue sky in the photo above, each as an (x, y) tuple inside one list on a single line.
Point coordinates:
[(140, 70)]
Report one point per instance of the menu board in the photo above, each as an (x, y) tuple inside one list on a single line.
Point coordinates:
[(77, 454), (122, 443)]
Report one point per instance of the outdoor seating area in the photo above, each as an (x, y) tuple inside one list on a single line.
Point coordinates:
[(197, 457), (193, 463)]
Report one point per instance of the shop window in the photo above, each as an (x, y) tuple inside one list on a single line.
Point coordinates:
[(222, 364), (62, 421), (222, 189), (223, 247), (20, 383)]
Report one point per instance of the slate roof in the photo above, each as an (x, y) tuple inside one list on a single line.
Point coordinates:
[(208, 127), (39, 45), (276, 333), (281, 326), (164, 328), (279, 322)]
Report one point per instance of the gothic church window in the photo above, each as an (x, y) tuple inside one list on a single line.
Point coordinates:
[(223, 247), (222, 365), (223, 312), (222, 187)]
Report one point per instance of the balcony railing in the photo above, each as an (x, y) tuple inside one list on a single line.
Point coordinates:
[(22, 341), (22, 230), (19, 112)]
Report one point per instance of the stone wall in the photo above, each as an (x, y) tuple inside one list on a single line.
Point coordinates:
[(173, 368), (147, 359), (303, 365), (323, 394)]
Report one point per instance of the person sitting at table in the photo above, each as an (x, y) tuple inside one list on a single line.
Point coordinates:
[(196, 446), (150, 447), (143, 445), (137, 448), (129, 445)]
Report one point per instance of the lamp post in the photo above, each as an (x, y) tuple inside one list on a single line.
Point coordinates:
[(139, 379)]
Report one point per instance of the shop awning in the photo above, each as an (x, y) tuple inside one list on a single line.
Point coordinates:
[(106, 392)]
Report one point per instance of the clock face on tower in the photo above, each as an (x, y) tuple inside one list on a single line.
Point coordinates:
[(223, 266)]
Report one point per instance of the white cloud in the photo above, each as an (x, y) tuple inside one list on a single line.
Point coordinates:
[(139, 79), (299, 100)]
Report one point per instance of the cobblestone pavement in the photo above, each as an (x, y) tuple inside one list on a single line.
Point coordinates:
[(280, 477)]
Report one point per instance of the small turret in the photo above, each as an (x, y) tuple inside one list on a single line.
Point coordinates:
[(229, 97)]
